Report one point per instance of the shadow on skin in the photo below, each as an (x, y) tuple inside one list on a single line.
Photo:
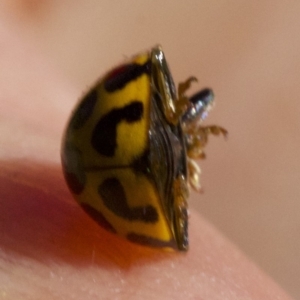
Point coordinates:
[(40, 220)]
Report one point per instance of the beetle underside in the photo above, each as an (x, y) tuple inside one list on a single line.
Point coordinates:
[(183, 115)]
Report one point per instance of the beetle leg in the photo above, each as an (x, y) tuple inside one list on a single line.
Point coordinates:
[(197, 139), (215, 130), (184, 86), (194, 175), (175, 111), (183, 101)]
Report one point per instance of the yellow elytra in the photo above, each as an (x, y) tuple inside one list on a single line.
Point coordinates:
[(128, 149)]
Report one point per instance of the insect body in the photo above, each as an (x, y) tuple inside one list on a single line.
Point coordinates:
[(129, 149)]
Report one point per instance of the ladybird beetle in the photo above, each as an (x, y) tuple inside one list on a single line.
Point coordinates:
[(129, 148)]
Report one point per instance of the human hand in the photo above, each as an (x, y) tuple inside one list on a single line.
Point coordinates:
[(50, 249)]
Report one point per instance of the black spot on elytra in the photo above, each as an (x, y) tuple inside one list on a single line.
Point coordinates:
[(98, 217), (119, 77), (84, 110), (104, 136), (113, 195), (72, 168), (149, 241), (73, 183)]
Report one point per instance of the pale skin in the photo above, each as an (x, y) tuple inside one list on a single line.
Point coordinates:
[(50, 249)]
